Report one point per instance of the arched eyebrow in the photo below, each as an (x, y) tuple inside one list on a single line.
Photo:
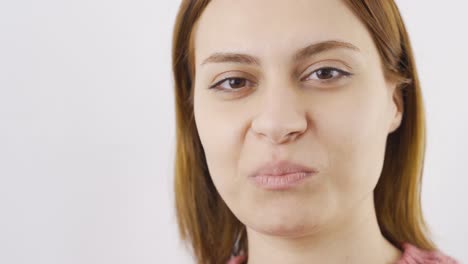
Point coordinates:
[(301, 54)]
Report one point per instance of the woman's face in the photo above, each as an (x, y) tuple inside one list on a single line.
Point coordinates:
[(327, 107)]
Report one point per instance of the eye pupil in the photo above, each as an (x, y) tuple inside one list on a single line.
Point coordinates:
[(325, 73), (236, 83)]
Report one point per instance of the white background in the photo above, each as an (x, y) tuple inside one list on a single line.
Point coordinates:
[(87, 129)]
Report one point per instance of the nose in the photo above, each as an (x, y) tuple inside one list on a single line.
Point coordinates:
[(281, 118)]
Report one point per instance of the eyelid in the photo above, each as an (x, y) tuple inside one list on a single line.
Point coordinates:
[(341, 72), (231, 75), (328, 64), (218, 83)]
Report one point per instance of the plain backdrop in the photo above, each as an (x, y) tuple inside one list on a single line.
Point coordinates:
[(87, 129)]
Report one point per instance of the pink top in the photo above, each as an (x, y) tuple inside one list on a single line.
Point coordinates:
[(411, 255)]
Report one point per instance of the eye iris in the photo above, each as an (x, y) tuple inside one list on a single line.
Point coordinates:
[(325, 73), (236, 83)]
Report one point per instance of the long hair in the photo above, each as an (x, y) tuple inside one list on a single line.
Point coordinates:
[(204, 220)]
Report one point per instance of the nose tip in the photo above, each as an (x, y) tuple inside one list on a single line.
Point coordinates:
[(280, 126), (277, 135)]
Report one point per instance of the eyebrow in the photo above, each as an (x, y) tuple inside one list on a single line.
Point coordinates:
[(301, 54)]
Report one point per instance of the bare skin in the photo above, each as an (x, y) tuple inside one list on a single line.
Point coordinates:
[(278, 106)]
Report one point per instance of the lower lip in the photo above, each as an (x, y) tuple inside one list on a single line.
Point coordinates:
[(281, 182)]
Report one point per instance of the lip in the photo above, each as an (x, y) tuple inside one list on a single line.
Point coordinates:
[(281, 175)]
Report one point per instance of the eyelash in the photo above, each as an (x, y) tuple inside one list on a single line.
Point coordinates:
[(341, 73)]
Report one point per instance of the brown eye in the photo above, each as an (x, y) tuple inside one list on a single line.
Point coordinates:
[(236, 82), (231, 84), (327, 74)]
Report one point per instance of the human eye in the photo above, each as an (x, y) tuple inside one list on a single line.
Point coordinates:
[(327, 74), (231, 84)]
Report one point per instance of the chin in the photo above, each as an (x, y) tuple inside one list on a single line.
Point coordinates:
[(292, 229)]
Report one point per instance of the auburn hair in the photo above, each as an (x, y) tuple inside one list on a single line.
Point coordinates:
[(206, 223)]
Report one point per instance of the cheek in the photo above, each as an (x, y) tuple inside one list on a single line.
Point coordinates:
[(353, 131), (220, 133)]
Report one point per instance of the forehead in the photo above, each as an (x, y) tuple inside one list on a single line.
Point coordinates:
[(275, 27)]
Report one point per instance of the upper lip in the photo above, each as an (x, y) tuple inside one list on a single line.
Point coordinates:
[(278, 168)]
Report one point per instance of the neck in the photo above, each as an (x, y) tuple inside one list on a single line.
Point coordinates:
[(354, 239)]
